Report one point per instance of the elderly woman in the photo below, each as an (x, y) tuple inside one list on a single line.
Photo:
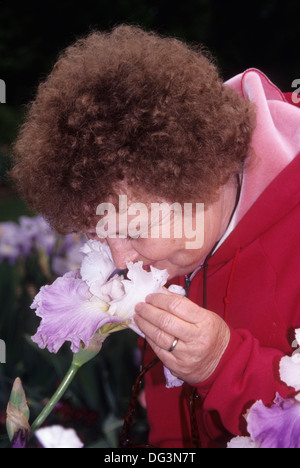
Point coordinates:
[(131, 113)]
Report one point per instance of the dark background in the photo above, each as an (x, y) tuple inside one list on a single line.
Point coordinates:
[(262, 34)]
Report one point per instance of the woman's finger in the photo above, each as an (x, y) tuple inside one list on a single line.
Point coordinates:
[(160, 325), (177, 305)]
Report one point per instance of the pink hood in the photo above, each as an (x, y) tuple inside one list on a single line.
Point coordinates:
[(276, 138)]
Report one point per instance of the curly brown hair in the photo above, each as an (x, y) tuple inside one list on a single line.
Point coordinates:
[(131, 106)]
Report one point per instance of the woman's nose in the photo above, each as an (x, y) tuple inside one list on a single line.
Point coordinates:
[(122, 252)]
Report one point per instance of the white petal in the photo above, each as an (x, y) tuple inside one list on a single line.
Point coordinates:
[(289, 370), (176, 289), (110, 291), (140, 284), (297, 335), (97, 264), (242, 442), (58, 437)]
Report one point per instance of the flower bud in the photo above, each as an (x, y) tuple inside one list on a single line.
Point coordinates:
[(17, 412), (84, 355)]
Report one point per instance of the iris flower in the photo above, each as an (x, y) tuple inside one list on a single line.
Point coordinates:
[(85, 305), (69, 312), (88, 300), (92, 300), (277, 426)]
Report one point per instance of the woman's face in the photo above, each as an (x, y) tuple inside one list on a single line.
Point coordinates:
[(178, 254)]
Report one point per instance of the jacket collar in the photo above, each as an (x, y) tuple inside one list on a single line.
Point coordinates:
[(277, 200)]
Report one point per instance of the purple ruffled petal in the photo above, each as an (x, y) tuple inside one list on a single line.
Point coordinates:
[(69, 313), (275, 427), (171, 380)]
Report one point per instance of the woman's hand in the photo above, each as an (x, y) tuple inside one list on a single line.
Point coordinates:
[(203, 336)]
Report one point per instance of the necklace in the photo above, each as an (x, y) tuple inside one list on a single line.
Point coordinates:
[(189, 278)]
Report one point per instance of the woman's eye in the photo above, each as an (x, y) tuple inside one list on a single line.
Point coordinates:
[(92, 235)]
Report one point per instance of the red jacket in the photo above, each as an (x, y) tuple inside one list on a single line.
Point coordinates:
[(253, 282)]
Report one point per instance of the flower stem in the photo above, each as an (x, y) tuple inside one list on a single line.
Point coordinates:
[(56, 397)]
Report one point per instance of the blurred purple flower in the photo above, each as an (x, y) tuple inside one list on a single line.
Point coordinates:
[(9, 242), (35, 233), (34, 236), (68, 258)]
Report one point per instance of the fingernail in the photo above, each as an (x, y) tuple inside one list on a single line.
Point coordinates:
[(148, 298), (138, 307)]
